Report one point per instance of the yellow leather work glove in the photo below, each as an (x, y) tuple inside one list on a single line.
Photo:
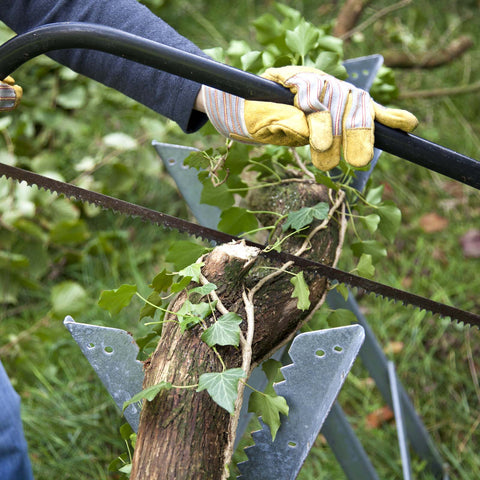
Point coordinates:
[(339, 115), (10, 94), (255, 122)]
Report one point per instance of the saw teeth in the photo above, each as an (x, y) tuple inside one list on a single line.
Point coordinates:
[(216, 237)]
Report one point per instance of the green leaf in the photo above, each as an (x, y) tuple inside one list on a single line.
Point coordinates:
[(271, 368), (342, 290), (204, 289), (365, 266), (323, 179), (370, 247), (218, 196), (371, 222), (303, 217), (268, 28), (69, 232), (251, 60), (198, 160), (162, 281), (374, 195), (193, 271), (68, 298), (269, 407), (237, 220), (183, 253), (115, 300), (341, 317), (391, 218), (330, 43), (222, 386), (191, 314), (225, 331), (148, 393), (181, 285), (148, 310), (302, 39), (74, 99), (301, 291)]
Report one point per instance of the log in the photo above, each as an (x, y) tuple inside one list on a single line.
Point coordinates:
[(184, 434)]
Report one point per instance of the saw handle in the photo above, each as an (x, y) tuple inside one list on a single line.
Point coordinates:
[(67, 35)]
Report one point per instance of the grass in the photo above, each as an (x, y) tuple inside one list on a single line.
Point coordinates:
[(72, 425)]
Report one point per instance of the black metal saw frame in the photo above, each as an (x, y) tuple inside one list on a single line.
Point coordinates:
[(67, 35)]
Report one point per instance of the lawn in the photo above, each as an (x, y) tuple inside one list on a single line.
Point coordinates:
[(71, 424)]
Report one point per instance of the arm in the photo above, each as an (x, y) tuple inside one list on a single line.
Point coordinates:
[(164, 93)]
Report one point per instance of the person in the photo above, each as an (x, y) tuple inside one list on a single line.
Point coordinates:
[(330, 115)]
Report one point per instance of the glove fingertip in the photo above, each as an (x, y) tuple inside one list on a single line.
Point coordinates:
[(358, 146), (321, 131), (326, 160)]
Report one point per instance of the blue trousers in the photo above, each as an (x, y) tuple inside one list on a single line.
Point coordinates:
[(14, 460)]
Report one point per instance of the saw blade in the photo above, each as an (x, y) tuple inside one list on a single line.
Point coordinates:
[(333, 274)]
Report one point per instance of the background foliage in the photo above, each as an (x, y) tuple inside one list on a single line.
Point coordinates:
[(56, 255)]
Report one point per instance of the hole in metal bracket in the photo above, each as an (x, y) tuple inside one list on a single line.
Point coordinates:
[(320, 353), (108, 350), (338, 349), (91, 345)]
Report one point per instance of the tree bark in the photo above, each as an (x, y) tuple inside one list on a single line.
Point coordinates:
[(348, 17), (184, 434)]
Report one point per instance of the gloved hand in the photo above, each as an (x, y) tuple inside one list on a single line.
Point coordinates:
[(335, 114), (10, 94)]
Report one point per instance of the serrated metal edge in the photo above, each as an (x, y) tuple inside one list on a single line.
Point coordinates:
[(214, 236), (321, 360)]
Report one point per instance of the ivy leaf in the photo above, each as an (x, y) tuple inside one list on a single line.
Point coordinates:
[(115, 300), (271, 368), (341, 317), (179, 286), (162, 281), (365, 266), (191, 314), (237, 220), (225, 331), (222, 386), (371, 222), (303, 217), (303, 38), (204, 289), (218, 196), (148, 310), (391, 218), (370, 247), (374, 195), (148, 393), (320, 177), (342, 290), (193, 271), (183, 253), (301, 291), (269, 407)]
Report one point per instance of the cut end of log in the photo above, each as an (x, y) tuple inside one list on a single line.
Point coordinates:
[(238, 250)]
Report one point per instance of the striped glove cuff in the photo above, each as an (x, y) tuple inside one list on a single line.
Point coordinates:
[(227, 113)]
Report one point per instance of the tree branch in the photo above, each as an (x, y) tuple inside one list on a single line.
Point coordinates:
[(348, 17), (454, 50), (441, 92)]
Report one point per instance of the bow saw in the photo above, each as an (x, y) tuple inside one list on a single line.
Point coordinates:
[(47, 38)]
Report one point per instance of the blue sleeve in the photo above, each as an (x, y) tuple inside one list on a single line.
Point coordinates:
[(168, 95)]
